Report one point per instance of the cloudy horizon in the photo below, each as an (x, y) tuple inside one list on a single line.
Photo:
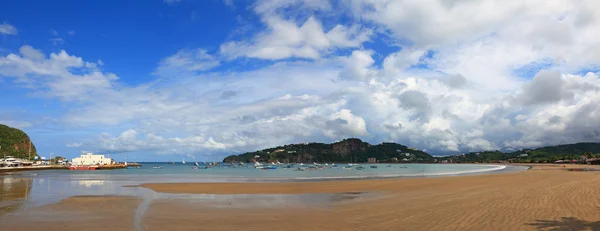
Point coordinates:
[(206, 79)]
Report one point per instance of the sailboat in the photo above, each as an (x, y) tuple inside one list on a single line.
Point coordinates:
[(182, 161), (196, 164)]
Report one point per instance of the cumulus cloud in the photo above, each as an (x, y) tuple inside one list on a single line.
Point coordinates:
[(285, 39), (7, 29), (57, 75), (546, 87), (448, 81)]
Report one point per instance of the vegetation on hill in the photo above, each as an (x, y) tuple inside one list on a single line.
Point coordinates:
[(345, 151), (355, 150), (538, 155), (14, 142)]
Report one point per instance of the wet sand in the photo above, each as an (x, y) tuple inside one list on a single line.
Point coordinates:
[(76, 213), (544, 198)]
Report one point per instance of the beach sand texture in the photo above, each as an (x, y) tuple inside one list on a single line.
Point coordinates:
[(544, 198)]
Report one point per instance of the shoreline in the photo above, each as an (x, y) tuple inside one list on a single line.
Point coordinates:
[(331, 186), (543, 197)]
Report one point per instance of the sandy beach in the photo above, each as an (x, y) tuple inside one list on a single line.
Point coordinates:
[(546, 197)]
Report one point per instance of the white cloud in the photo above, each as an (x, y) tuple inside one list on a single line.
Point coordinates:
[(74, 145), (186, 62), (285, 39), (16, 124), (53, 76), (456, 76), (357, 66), (31, 53), (56, 41), (7, 29)]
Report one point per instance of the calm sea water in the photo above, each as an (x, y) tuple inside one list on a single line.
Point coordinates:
[(28, 189)]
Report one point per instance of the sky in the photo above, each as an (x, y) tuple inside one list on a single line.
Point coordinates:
[(159, 80)]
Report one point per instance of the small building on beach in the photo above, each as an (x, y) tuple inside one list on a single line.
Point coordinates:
[(92, 159)]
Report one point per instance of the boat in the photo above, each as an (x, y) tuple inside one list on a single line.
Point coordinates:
[(348, 167), (360, 168), (182, 161), (157, 166), (299, 169), (170, 162), (373, 166), (83, 167), (288, 166), (196, 164)]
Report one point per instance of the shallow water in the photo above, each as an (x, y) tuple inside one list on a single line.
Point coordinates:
[(24, 190)]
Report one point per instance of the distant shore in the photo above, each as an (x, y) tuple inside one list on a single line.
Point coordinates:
[(32, 168), (60, 167)]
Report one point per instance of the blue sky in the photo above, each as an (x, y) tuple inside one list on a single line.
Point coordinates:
[(160, 80)]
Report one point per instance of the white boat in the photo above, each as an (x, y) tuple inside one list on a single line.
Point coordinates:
[(182, 161), (196, 164)]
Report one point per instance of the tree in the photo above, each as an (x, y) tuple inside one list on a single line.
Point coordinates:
[(56, 159)]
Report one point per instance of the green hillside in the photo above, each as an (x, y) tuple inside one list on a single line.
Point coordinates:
[(14, 142), (348, 150), (543, 154)]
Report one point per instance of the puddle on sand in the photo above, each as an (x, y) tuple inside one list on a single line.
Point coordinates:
[(266, 200)]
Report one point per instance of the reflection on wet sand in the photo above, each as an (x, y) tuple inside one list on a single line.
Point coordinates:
[(90, 183), (13, 193)]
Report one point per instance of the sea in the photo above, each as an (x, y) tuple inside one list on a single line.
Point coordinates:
[(28, 189)]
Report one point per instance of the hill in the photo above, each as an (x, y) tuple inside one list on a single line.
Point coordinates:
[(542, 154), (345, 151), (14, 142)]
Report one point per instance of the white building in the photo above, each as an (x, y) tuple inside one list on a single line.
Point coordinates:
[(91, 159)]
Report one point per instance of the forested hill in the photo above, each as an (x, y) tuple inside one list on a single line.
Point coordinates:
[(348, 150), (544, 154), (355, 150), (14, 142)]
